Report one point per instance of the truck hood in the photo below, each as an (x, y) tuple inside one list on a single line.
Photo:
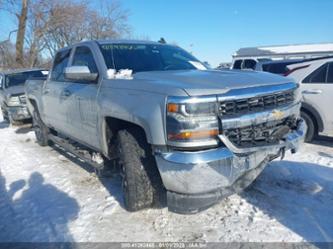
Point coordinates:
[(197, 82), (14, 90)]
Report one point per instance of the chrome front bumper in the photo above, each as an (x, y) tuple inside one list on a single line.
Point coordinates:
[(218, 172)]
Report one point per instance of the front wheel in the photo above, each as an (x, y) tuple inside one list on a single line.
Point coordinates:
[(141, 183), (41, 130)]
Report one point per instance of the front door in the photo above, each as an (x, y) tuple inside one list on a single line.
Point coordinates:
[(82, 105)]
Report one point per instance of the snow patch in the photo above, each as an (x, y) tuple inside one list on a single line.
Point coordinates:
[(46, 195)]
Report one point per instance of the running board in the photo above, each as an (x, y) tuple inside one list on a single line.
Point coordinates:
[(95, 159)]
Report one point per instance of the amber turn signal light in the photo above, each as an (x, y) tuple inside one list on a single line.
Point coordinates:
[(187, 135), (173, 107)]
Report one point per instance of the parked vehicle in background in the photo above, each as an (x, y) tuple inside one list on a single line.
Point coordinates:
[(171, 123), (274, 59), (316, 82), (224, 65), (249, 64), (12, 97), (266, 65)]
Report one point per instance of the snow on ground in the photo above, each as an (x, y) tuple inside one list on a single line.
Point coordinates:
[(46, 195)]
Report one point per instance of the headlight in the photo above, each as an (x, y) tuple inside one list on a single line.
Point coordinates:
[(13, 101), (192, 122)]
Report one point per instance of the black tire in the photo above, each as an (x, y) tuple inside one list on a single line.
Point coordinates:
[(142, 185), (312, 130), (41, 130)]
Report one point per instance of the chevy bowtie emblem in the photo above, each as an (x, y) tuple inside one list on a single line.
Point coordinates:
[(277, 114)]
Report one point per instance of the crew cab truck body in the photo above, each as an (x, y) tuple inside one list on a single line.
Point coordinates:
[(199, 135), (12, 98)]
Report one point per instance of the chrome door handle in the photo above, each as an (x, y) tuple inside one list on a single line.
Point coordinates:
[(312, 91)]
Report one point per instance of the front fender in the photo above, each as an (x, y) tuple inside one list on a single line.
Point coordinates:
[(144, 109)]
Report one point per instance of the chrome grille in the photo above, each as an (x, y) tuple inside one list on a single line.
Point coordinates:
[(261, 134), (255, 104)]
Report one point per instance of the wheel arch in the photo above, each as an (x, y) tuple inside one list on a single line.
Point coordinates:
[(111, 126), (310, 110), (32, 104)]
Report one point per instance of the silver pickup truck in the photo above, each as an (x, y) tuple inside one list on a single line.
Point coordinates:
[(176, 128)]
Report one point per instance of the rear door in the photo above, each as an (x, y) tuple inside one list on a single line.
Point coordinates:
[(318, 92), (53, 94)]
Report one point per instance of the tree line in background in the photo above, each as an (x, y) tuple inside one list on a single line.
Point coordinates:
[(44, 26)]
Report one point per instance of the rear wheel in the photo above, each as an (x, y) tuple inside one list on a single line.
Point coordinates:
[(312, 129), (41, 130), (141, 183)]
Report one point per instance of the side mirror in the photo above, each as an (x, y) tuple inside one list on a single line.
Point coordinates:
[(80, 73)]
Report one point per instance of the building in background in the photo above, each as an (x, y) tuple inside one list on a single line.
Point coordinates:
[(248, 58)]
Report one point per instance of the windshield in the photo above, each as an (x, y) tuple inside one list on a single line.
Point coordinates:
[(148, 57), (17, 79)]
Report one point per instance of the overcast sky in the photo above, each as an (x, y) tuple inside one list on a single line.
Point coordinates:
[(214, 29)]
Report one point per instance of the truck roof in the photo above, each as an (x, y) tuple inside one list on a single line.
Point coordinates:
[(121, 41)]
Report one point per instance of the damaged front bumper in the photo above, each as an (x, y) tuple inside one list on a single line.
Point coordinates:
[(197, 180), (18, 113)]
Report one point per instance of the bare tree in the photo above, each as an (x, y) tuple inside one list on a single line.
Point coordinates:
[(109, 22), (22, 23), (45, 26), (55, 24), (7, 55)]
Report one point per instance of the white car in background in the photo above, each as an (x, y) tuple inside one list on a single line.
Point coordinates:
[(316, 81)]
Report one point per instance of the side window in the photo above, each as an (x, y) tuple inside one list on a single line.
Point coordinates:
[(84, 57), (250, 64), (59, 65), (237, 64), (330, 73), (318, 76)]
